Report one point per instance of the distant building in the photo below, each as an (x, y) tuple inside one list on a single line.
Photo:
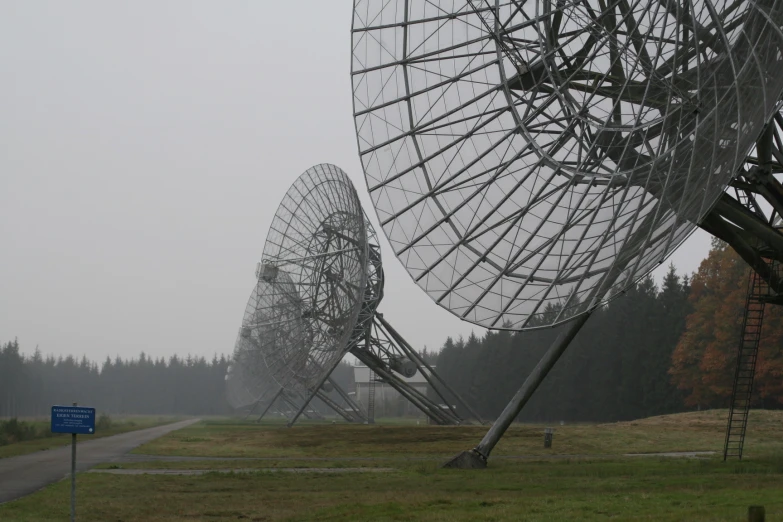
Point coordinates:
[(388, 401)]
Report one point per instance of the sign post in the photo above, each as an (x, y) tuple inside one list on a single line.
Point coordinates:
[(73, 476), (73, 420)]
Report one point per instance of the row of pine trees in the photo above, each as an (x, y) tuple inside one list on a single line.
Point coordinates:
[(29, 386), (652, 351), (616, 368)]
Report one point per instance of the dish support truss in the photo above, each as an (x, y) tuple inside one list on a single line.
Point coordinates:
[(289, 401), (747, 217), (285, 401), (385, 352)]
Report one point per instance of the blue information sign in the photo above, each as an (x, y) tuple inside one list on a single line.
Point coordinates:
[(73, 419)]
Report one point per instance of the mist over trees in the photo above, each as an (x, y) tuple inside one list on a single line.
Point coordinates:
[(654, 351), (29, 386)]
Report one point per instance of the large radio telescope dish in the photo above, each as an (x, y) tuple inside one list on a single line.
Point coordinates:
[(248, 380), (527, 160), (313, 273), (320, 282), (241, 384), (275, 321)]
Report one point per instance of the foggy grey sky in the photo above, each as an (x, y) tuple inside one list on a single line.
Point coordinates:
[(144, 148)]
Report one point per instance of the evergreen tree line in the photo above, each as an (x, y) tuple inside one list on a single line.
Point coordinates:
[(616, 368), (650, 352), (29, 386)]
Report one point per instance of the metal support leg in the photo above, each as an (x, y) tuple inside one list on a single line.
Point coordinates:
[(293, 404), (411, 353), (413, 395), (402, 345), (317, 387), (255, 405), (280, 391), (334, 406), (477, 457), (326, 372), (357, 411)]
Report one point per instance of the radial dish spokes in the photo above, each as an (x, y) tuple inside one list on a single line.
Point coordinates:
[(528, 159), (313, 277)]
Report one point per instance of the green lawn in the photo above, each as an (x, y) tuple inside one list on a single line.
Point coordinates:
[(536, 488), (698, 431), (54, 440), (648, 489)]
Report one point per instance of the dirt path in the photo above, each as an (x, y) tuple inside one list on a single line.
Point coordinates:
[(20, 476), (134, 457)]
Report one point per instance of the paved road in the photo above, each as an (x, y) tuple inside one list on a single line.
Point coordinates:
[(20, 476)]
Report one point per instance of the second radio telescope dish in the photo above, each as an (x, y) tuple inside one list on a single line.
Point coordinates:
[(319, 284), (312, 277), (248, 380), (529, 159)]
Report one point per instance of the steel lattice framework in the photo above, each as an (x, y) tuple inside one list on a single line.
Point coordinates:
[(246, 377), (749, 214), (248, 380), (313, 276), (250, 384), (299, 315), (320, 282), (534, 157)]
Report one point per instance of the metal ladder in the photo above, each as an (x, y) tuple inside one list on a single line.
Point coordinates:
[(742, 390), (371, 397)]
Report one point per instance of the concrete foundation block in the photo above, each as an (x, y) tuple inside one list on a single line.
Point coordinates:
[(469, 459)]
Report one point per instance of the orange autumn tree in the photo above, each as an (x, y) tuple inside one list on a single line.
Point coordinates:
[(703, 363)]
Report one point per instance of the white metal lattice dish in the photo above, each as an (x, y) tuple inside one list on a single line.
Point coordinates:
[(528, 160)]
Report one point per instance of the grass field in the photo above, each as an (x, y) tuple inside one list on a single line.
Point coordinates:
[(544, 485), (702, 431), (120, 424)]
